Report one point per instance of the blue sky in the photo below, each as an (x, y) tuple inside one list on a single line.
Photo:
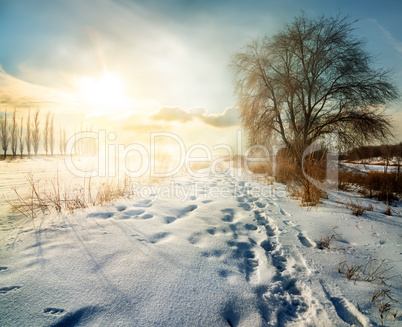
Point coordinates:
[(164, 53)]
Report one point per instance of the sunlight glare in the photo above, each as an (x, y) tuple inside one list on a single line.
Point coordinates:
[(104, 95)]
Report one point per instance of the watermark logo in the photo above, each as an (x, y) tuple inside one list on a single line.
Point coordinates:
[(198, 161)]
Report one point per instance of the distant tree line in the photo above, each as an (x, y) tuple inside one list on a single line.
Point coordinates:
[(14, 136), (366, 152)]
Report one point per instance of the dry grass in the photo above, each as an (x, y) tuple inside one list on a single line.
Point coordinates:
[(384, 303), (388, 211), (358, 208), (287, 171), (372, 271), (260, 168), (351, 271), (61, 197), (325, 242), (290, 173), (386, 187)]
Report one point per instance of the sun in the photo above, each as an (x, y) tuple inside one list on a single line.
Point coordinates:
[(104, 95)]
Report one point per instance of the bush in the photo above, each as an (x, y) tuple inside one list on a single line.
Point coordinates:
[(290, 173), (384, 186)]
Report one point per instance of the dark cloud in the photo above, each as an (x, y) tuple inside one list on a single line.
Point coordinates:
[(230, 116)]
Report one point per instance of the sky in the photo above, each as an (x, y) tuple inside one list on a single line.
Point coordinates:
[(133, 67)]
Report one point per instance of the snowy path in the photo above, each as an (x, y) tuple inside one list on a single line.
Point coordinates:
[(233, 260)]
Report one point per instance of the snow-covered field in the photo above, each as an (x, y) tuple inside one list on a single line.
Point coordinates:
[(369, 167), (221, 250)]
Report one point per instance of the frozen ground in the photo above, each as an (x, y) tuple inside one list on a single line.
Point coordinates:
[(212, 251), (369, 167)]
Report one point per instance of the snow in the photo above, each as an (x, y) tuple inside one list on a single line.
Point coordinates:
[(369, 167), (222, 250)]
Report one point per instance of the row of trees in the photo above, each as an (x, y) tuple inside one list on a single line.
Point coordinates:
[(366, 152), (13, 134)]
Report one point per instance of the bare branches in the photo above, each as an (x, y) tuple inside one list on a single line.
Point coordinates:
[(28, 134), (312, 78), (35, 132), (51, 136), (4, 133), (20, 137), (46, 133), (14, 134)]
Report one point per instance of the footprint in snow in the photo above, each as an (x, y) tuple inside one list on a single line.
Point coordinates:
[(269, 230), (289, 223), (260, 205), (250, 227), (135, 212), (212, 254), (104, 215), (206, 201), (245, 206), (227, 218), (211, 231), (241, 199), (345, 309), (250, 262), (229, 213), (143, 204), (291, 287), (5, 290), (224, 273), (121, 208), (258, 218), (279, 262), (54, 311), (195, 238), (304, 240), (146, 216), (268, 246), (158, 237), (187, 210), (3, 268), (169, 219)]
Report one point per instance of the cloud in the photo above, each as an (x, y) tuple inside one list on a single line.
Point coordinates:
[(229, 118), (20, 94), (172, 114)]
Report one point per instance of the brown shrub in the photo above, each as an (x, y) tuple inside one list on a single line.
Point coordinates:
[(384, 186), (290, 173)]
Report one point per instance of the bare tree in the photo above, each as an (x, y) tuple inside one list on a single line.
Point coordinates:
[(14, 135), (51, 136), (61, 146), (64, 140), (28, 134), (312, 78), (386, 154), (4, 134), (75, 146), (46, 133), (21, 139), (35, 132)]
